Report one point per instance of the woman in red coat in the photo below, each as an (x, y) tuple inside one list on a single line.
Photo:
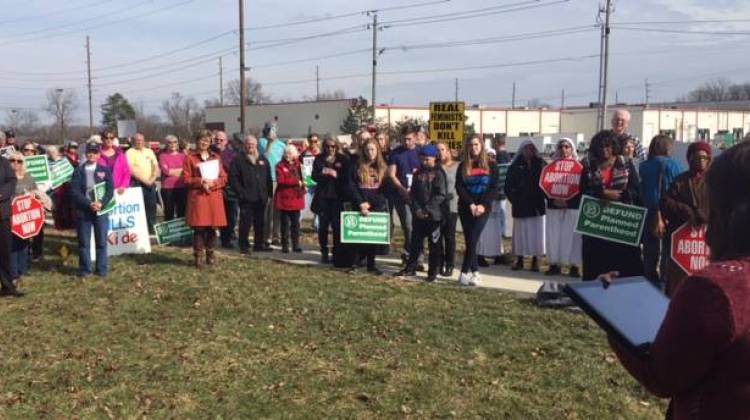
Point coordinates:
[(289, 198), (701, 355), (205, 182)]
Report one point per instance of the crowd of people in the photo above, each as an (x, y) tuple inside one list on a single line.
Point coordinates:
[(260, 183)]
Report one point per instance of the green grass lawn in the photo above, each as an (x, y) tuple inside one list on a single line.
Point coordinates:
[(259, 339)]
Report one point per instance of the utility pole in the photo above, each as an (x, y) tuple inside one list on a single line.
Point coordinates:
[(374, 60), (617, 97), (562, 100), (647, 85), (317, 82), (61, 112), (605, 65), (242, 68), (513, 98), (88, 70), (221, 82), (456, 89)]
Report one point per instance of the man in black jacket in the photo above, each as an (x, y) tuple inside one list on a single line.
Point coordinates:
[(250, 178), (7, 189), (427, 194)]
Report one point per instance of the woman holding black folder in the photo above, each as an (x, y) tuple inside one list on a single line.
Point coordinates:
[(701, 355), (607, 175)]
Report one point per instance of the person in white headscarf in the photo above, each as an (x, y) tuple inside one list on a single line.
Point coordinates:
[(491, 240), (528, 205), (562, 243)]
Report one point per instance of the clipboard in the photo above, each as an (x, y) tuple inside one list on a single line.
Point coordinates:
[(630, 309)]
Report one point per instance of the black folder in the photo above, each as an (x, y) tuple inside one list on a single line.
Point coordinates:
[(630, 309)]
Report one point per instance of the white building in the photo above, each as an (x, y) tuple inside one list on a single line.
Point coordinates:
[(686, 124)]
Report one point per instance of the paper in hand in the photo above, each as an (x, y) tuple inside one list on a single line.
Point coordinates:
[(209, 170)]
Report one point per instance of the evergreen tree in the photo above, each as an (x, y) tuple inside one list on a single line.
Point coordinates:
[(360, 114), (115, 108)]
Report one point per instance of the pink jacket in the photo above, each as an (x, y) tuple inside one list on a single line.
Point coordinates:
[(120, 169)]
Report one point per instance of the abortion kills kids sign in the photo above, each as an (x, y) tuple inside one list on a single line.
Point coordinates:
[(128, 230)]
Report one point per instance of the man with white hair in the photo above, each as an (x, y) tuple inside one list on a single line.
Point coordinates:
[(620, 125)]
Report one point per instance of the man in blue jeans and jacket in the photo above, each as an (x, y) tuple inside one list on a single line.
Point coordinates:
[(88, 204)]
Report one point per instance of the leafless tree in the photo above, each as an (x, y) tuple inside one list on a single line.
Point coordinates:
[(254, 93), (24, 121), (61, 104), (185, 115)]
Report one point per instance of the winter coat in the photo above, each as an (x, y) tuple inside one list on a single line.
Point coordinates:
[(428, 192), (204, 209), (251, 181), (522, 188), (624, 178), (81, 197), (289, 196), (7, 188)]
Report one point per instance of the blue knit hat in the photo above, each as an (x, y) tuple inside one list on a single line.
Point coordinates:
[(428, 150)]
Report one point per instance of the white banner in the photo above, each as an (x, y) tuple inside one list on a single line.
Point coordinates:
[(128, 229)]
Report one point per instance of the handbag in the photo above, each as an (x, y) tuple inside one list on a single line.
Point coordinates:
[(658, 226)]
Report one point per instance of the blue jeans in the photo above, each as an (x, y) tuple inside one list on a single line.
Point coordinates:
[(404, 217), (100, 225), (19, 257)]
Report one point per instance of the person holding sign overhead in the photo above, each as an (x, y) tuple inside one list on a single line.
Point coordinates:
[(527, 199), (607, 175), (476, 186), (563, 244), (700, 356), (205, 179), (684, 202), (82, 190), (366, 186)]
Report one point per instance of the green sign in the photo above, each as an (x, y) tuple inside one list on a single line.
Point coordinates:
[(357, 229), (38, 168), (173, 232), (99, 190), (61, 172), (611, 221), (502, 174)]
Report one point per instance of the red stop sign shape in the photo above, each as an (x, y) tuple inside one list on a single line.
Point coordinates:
[(27, 216), (560, 179), (689, 249)]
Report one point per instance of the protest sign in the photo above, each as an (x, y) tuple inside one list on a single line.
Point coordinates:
[(27, 216), (173, 232), (128, 229), (38, 169), (689, 249), (307, 167), (611, 221), (560, 179), (502, 175), (60, 172), (357, 229), (447, 123), (7, 151), (99, 190)]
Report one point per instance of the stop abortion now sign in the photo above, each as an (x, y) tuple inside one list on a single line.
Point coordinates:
[(27, 216), (560, 179), (689, 249)]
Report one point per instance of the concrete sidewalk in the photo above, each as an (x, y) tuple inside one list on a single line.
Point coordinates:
[(500, 277)]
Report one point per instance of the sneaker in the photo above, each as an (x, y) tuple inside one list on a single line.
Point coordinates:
[(475, 280), (463, 279), (405, 272), (447, 271)]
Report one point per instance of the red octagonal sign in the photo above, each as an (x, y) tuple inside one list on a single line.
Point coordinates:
[(560, 179), (27, 216), (689, 249)]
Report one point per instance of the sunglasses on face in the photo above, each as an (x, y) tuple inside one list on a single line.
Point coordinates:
[(15, 160)]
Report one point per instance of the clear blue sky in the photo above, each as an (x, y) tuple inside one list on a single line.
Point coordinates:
[(43, 47)]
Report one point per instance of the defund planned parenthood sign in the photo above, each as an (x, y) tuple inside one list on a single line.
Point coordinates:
[(611, 221), (375, 228)]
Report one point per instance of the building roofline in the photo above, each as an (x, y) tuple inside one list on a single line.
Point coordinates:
[(349, 100)]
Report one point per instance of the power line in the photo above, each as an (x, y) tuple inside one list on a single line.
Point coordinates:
[(54, 13), (681, 31), (680, 22)]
